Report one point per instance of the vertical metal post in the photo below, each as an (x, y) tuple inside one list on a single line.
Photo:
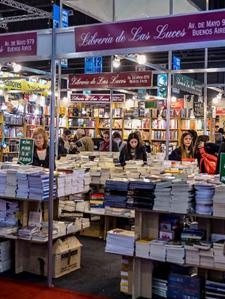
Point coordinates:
[(169, 84), (51, 159), (111, 91), (59, 88), (110, 113), (206, 83)]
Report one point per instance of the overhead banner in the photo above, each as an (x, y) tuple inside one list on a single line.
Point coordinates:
[(111, 80), (25, 86), (22, 44), (162, 31), (97, 98), (187, 84)]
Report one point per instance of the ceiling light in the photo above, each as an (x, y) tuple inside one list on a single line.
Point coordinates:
[(16, 67), (173, 99), (116, 62), (141, 59)]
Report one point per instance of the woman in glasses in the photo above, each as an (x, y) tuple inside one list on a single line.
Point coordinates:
[(105, 144)]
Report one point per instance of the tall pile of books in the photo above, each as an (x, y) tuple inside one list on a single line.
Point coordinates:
[(204, 194), (11, 183), (219, 201), (214, 290), (182, 197), (116, 193), (141, 194), (184, 286), (22, 190), (159, 287), (3, 179), (175, 253), (39, 186), (163, 197)]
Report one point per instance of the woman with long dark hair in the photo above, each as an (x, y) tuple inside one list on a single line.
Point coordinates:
[(186, 149), (133, 150)]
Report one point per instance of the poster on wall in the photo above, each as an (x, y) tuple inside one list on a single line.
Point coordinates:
[(198, 107)]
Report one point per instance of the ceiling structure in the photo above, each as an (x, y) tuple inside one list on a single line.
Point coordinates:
[(189, 58)]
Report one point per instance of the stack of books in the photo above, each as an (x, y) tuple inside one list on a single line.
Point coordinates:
[(22, 185), (143, 248), (184, 286), (192, 255), (11, 183), (214, 290), (116, 193), (8, 213), (175, 254), (120, 241), (182, 197), (204, 194), (3, 179), (163, 198), (158, 250), (219, 257), (5, 256), (61, 187), (159, 287), (219, 201), (97, 201), (141, 194), (39, 186)]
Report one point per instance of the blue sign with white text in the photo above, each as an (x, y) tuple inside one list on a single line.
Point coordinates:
[(56, 16), (176, 62), (93, 65)]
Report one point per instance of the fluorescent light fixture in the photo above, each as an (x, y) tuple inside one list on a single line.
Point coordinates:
[(141, 59)]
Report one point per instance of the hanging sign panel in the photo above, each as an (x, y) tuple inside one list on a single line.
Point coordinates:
[(97, 98), (110, 80), (187, 84), (21, 44), (26, 151), (193, 28)]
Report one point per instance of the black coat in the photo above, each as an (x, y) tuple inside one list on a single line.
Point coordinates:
[(38, 162), (175, 155), (125, 154), (62, 151)]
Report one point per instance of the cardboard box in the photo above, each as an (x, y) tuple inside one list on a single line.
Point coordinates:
[(66, 257)]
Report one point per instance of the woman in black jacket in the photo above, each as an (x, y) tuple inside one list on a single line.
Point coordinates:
[(133, 150), (41, 148), (186, 149)]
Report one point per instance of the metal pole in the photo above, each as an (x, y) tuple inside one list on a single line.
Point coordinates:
[(110, 112), (59, 88), (111, 90), (169, 84), (205, 83), (51, 159)]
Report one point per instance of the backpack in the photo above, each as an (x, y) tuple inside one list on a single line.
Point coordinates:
[(208, 162)]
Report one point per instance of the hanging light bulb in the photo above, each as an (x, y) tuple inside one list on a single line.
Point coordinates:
[(16, 67), (116, 62), (141, 59)]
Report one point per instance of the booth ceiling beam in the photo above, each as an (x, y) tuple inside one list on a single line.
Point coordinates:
[(29, 9)]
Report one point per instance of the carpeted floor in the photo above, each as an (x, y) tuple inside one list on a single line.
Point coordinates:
[(99, 274), (11, 289)]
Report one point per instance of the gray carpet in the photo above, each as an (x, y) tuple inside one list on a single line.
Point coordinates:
[(99, 273)]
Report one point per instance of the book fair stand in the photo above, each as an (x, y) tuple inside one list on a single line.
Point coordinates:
[(166, 34)]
